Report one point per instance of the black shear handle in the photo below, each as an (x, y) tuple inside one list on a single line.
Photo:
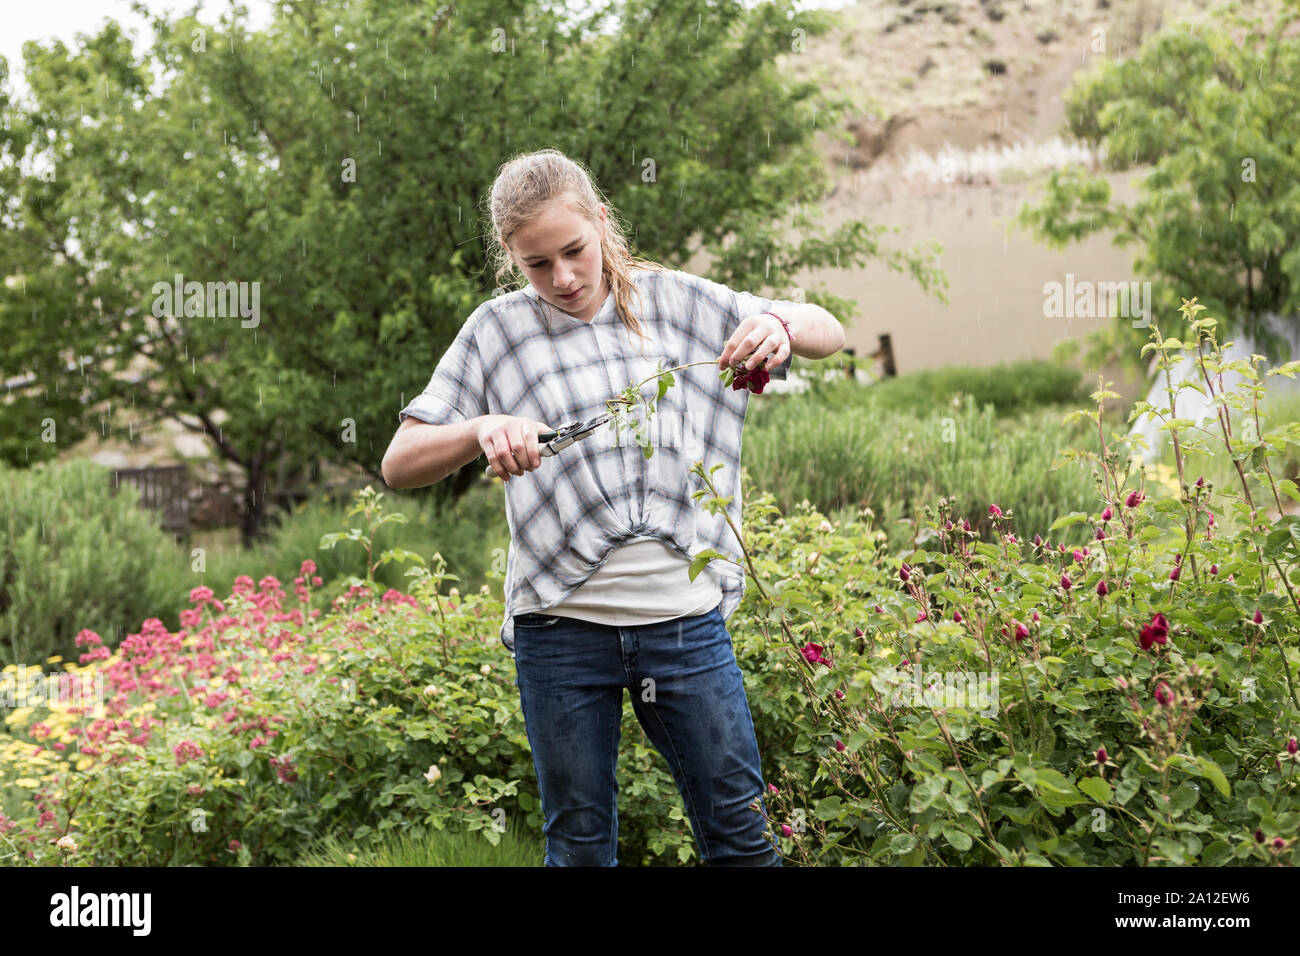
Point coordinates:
[(544, 437)]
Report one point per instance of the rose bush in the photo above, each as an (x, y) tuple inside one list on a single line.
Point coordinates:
[(1137, 715), (969, 702)]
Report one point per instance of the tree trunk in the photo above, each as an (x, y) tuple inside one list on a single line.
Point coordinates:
[(254, 504)]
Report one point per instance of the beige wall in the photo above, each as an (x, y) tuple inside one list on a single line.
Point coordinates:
[(996, 277)]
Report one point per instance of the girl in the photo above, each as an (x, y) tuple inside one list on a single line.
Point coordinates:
[(597, 591)]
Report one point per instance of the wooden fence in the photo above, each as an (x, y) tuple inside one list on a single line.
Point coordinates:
[(163, 489)]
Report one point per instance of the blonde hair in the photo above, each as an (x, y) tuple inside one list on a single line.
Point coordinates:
[(525, 187)]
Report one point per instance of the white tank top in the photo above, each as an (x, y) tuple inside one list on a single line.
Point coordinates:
[(643, 581)]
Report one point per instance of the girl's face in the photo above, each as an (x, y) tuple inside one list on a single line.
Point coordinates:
[(559, 252)]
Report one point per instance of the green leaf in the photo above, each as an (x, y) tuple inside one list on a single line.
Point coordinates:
[(902, 842), (1073, 518), (957, 839), (1216, 854), (1213, 773), (700, 561), (1096, 788)]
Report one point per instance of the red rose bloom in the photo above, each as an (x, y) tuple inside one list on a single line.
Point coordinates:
[(753, 379), (1155, 632)]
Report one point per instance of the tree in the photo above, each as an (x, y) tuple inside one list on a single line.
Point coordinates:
[(335, 163), (1214, 109)]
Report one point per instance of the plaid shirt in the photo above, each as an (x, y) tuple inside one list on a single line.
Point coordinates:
[(518, 355)]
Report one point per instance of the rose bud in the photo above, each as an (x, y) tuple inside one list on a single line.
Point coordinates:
[(1133, 498), (1102, 590), (1173, 575), (1100, 535), (1022, 632), (1278, 843), (1259, 836), (1259, 618), (965, 524), (1291, 746), (1035, 617), (1106, 515), (1164, 696), (785, 829), (1214, 569), (1066, 583), (956, 616), (903, 572), (1101, 755), (1200, 482), (995, 511), (1038, 541), (839, 745)]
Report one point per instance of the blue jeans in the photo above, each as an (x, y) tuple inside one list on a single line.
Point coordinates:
[(688, 693)]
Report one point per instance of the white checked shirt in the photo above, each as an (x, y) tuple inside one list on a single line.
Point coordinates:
[(518, 355)]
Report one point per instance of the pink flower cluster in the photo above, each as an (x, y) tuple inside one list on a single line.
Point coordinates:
[(186, 751)]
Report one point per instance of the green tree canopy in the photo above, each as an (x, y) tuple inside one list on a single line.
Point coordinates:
[(339, 159), (1219, 215)]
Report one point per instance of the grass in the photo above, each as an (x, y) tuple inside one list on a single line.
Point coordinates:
[(442, 848)]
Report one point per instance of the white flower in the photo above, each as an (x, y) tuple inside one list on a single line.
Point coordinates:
[(432, 690), (352, 858), (825, 526), (485, 669), (433, 774), (67, 844)]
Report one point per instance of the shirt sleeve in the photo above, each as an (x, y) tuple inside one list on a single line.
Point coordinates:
[(457, 390)]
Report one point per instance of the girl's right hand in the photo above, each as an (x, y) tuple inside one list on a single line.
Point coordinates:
[(510, 444)]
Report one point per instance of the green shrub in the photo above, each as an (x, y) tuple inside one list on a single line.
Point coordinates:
[(465, 532), (1190, 692), (1008, 387), (893, 462), (76, 555)]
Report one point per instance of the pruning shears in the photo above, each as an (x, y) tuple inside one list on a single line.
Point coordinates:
[(552, 442)]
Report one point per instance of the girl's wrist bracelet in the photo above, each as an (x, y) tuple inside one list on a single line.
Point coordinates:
[(786, 326)]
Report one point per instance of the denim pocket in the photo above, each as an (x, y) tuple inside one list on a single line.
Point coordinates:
[(536, 620)]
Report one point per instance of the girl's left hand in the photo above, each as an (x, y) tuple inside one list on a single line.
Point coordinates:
[(762, 335)]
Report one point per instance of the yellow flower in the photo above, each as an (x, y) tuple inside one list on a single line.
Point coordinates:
[(19, 717), (27, 782), (56, 659)]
